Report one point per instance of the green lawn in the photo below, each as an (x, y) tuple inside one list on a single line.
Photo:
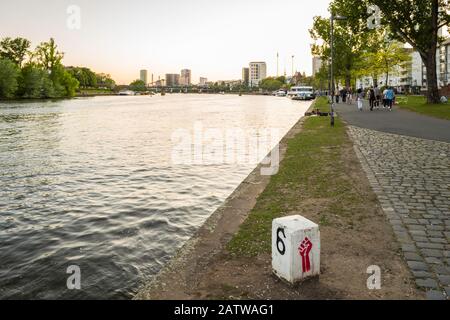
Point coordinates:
[(322, 104), (312, 158), (418, 104)]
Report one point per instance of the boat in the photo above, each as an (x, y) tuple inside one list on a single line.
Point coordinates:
[(126, 93), (301, 93), (281, 93)]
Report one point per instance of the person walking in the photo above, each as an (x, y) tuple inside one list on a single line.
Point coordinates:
[(372, 99), (385, 98), (377, 96), (350, 96), (390, 96), (360, 99)]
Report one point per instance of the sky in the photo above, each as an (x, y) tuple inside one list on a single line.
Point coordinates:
[(213, 38)]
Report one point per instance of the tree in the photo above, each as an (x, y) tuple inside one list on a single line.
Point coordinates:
[(417, 22), (383, 57), (14, 49), (64, 83), (47, 55), (105, 81), (271, 84), (85, 77), (138, 85), (31, 84), (9, 74), (351, 38)]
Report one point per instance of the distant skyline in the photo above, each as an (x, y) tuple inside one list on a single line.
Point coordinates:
[(213, 38)]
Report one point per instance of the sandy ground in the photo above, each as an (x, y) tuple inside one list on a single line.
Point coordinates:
[(204, 269)]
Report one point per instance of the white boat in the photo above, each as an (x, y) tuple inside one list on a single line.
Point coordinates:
[(281, 93), (301, 93), (127, 93)]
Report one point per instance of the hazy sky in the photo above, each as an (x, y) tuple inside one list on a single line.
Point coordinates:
[(214, 38)]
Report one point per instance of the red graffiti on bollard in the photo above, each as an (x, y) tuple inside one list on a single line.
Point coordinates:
[(304, 250)]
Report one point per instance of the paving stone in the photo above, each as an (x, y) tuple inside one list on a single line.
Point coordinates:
[(445, 280), (409, 248), (435, 295), (428, 245), (432, 253), (427, 283), (411, 256), (433, 260), (442, 270), (418, 266)]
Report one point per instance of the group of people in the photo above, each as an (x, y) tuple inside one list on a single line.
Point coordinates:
[(376, 97)]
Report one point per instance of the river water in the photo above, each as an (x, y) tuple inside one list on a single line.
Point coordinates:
[(93, 183)]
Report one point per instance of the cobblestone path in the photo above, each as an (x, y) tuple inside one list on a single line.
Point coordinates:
[(411, 178)]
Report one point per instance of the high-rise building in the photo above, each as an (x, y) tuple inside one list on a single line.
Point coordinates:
[(144, 76), (203, 81), (245, 75), (317, 64), (172, 79), (257, 73), (185, 79)]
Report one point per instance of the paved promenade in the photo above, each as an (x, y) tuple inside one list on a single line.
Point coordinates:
[(409, 171), (398, 121)]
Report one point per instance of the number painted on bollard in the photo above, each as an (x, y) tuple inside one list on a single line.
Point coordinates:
[(279, 240)]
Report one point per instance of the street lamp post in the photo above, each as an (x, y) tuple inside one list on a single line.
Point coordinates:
[(331, 88)]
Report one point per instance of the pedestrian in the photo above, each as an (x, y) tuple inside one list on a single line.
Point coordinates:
[(372, 99), (377, 96), (390, 96), (360, 98), (344, 95), (350, 96), (385, 98), (337, 96)]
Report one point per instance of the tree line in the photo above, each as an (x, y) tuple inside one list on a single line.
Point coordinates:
[(368, 44), (39, 73)]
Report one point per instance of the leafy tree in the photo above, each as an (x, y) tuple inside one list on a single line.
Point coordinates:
[(105, 80), (47, 55), (85, 77), (9, 74), (417, 22), (386, 60), (14, 49), (271, 84), (64, 84), (351, 37), (138, 85), (31, 84)]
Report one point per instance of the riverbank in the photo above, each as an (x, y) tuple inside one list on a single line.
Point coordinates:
[(320, 178)]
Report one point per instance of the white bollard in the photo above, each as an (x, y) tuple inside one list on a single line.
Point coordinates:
[(295, 248)]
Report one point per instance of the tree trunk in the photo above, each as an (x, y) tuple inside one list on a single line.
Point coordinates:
[(348, 80), (432, 82), (429, 58)]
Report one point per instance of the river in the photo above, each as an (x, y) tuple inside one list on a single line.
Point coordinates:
[(94, 183)]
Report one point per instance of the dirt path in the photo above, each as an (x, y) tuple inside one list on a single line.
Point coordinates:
[(204, 269)]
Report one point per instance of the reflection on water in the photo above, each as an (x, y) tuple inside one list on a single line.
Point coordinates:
[(90, 182)]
